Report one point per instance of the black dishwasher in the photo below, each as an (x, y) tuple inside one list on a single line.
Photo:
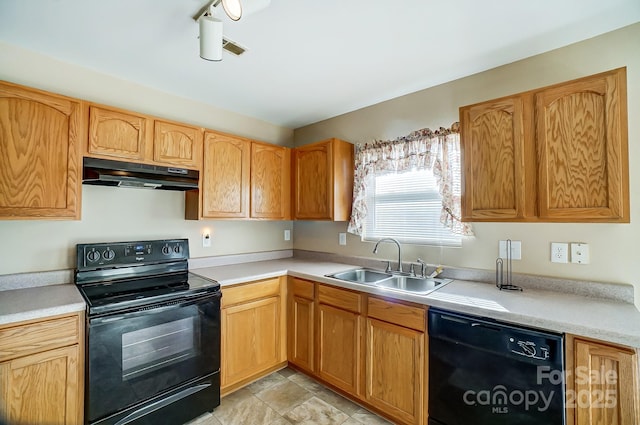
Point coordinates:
[(485, 372)]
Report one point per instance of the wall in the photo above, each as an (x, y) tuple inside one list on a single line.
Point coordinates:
[(110, 214), (614, 256)]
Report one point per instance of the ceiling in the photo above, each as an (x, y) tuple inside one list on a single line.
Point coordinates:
[(307, 60)]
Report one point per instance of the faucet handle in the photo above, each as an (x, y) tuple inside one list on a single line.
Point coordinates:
[(387, 269), (423, 267)]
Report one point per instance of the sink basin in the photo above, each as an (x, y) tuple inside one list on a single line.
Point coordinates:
[(396, 282), (414, 285), (361, 276)]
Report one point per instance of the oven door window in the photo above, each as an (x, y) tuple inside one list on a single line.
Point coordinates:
[(134, 356)]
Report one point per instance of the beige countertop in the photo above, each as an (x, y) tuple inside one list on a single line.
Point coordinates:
[(602, 319), (17, 305), (606, 320)]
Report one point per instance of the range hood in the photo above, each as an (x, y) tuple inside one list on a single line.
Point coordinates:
[(104, 172)]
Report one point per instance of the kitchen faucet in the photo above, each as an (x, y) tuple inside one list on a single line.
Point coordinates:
[(375, 250)]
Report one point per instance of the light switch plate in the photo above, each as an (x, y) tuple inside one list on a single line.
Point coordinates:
[(516, 250), (287, 235), (342, 238), (559, 252), (580, 253)]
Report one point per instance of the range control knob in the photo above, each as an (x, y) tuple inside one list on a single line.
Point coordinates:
[(109, 254), (93, 256), (166, 250), (177, 249)]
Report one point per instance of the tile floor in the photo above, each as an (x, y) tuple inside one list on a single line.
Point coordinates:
[(287, 397)]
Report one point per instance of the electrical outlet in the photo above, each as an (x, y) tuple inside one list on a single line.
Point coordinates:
[(206, 239), (342, 238), (559, 252), (516, 250), (580, 253), (287, 235)]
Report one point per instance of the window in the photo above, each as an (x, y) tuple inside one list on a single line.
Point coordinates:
[(407, 206)]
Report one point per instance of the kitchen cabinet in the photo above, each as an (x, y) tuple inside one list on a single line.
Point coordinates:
[(127, 136), (242, 179), (301, 316), (323, 180), (41, 371), (40, 161), (177, 145), (225, 177), (270, 181), (253, 329), (340, 338), (395, 360), (603, 385), (555, 154), (117, 134)]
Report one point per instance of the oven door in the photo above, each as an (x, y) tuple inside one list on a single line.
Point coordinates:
[(135, 356)]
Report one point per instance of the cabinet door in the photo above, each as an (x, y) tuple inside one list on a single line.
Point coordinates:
[(313, 198), (300, 324), (270, 181), (605, 379), (339, 348), (225, 181), (395, 370), (118, 134), (42, 388), (250, 339), (582, 150), (175, 144), (496, 153), (40, 136)]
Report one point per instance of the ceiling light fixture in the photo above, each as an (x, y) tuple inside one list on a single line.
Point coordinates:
[(211, 28)]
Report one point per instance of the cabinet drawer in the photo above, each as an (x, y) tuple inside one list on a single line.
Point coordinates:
[(302, 288), (31, 338), (250, 291), (400, 314), (340, 298)]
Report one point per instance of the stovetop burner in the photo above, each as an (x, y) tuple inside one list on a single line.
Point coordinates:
[(116, 277)]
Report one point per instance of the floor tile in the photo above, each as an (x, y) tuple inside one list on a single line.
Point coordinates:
[(316, 412), (284, 396), (287, 397), (266, 382), (368, 418)]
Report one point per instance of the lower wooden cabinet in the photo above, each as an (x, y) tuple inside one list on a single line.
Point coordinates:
[(603, 386), (41, 372), (301, 317), (395, 360), (252, 322), (339, 347)]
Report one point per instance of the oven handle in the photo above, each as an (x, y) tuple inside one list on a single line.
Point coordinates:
[(171, 305)]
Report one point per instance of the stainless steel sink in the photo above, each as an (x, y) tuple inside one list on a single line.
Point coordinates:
[(414, 285), (361, 275), (409, 284)]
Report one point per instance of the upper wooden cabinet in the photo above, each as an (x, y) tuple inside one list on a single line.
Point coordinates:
[(40, 139), (583, 159), (127, 136), (556, 154), (225, 176), (242, 179), (323, 180), (118, 134), (270, 181), (176, 144)]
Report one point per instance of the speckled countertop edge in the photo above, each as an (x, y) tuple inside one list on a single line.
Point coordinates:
[(18, 305)]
